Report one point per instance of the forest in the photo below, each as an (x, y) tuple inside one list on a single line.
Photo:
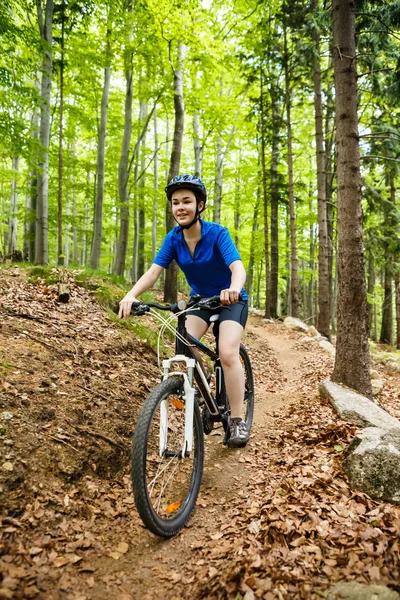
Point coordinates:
[(288, 110), (102, 102)]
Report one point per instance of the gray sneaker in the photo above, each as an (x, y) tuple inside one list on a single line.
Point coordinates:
[(239, 434)]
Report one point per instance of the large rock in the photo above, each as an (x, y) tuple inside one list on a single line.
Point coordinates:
[(377, 386), (356, 408), (312, 331), (358, 591), (295, 324), (328, 347), (372, 463)]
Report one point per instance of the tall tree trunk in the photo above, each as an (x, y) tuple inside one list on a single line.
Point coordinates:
[(294, 292), (124, 167), (218, 182), (312, 267), (265, 201), (135, 253), (386, 336), (155, 201), (274, 203), (34, 178), (370, 291), (42, 221), (141, 195), (74, 212), (352, 353), (330, 212), (236, 215), (100, 169), (397, 293), (171, 280), (60, 256), (65, 251), (197, 145), (13, 221), (254, 229), (323, 272)]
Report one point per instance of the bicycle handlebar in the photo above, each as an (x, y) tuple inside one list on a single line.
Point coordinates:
[(213, 302)]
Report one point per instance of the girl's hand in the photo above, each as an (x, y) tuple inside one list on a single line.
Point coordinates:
[(125, 306), (229, 296)]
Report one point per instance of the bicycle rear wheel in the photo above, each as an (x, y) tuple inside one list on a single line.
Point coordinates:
[(166, 481)]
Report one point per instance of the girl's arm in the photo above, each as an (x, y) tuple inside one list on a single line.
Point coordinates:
[(144, 283), (231, 295)]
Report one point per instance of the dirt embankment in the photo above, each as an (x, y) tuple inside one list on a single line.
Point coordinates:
[(275, 520)]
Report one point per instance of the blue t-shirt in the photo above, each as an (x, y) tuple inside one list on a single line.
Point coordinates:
[(207, 272)]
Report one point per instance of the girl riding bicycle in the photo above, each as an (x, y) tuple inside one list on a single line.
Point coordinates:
[(212, 265)]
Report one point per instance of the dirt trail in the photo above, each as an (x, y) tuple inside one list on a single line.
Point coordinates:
[(152, 565), (270, 519)]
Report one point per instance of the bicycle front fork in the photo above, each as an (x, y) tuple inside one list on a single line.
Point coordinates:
[(189, 404)]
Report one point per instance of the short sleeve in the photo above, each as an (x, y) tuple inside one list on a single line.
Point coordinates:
[(166, 254), (226, 247)]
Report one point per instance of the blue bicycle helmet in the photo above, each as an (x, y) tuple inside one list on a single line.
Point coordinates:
[(188, 182)]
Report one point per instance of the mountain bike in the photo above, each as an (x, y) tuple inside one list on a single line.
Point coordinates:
[(168, 444)]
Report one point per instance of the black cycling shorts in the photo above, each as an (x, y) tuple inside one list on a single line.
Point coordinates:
[(237, 312)]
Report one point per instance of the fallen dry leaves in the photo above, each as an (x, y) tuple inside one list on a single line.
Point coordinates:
[(285, 525)]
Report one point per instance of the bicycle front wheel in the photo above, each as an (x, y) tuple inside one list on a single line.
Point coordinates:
[(166, 476)]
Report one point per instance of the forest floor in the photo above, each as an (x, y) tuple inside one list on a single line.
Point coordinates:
[(275, 520)]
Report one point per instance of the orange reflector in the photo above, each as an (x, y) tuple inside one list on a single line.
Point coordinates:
[(172, 507), (178, 404)]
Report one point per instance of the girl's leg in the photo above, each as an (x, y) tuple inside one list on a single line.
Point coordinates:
[(230, 335), (197, 327)]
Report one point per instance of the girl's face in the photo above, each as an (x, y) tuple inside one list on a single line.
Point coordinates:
[(184, 206)]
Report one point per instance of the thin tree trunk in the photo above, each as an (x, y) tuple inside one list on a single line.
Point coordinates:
[(197, 145), (386, 336), (352, 353), (155, 201), (236, 216), (218, 182), (274, 203), (397, 293), (323, 272), (74, 215), (136, 158), (171, 283), (60, 256), (100, 170), (294, 292), (34, 179), (259, 275), (65, 251), (370, 290), (254, 229), (141, 193), (124, 167), (265, 202), (42, 221), (13, 221), (310, 294)]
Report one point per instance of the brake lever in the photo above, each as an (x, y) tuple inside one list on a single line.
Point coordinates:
[(140, 309)]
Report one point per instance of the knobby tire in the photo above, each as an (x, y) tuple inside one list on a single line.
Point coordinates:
[(164, 525)]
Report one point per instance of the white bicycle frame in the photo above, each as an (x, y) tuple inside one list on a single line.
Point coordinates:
[(189, 403)]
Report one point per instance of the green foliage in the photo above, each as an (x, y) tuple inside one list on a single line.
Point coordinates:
[(43, 274)]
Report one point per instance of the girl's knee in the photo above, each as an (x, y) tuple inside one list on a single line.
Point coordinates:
[(229, 358)]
